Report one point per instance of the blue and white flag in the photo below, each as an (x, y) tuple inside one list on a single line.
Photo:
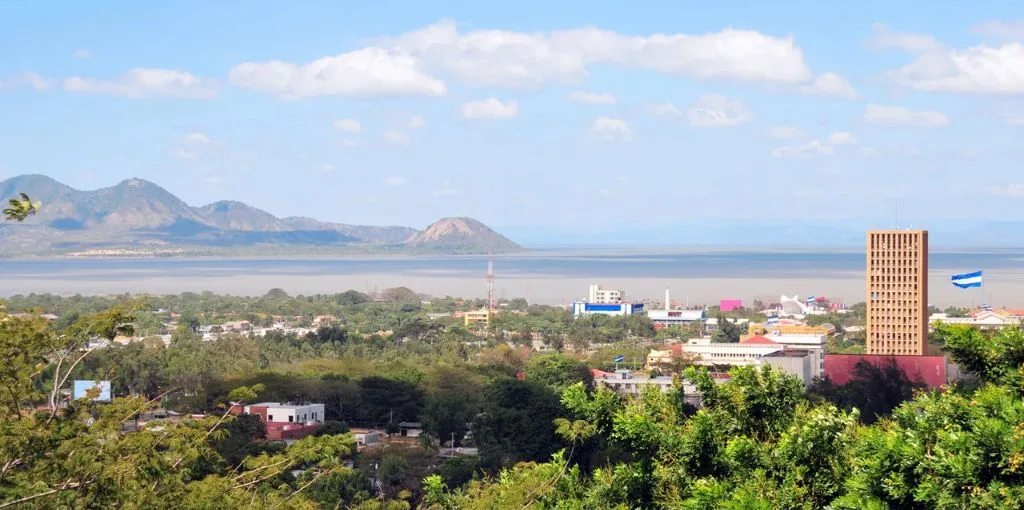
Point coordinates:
[(773, 320), (967, 280), (987, 308), (811, 299), (619, 359)]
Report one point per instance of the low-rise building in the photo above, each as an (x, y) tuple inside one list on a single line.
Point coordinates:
[(631, 383), (794, 362), (705, 352), (801, 358), (932, 371), (286, 421), (985, 320), (477, 317), (675, 318), (583, 309), (814, 344), (410, 429), (367, 437)]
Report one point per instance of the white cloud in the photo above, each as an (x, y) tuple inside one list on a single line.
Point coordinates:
[(1009, 190), (811, 148), (197, 138), (998, 29), (350, 143), (520, 59), (416, 122), (830, 85), (886, 38), (326, 167), (714, 110), (612, 129), (395, 181), (81, 54), (396, 137), (213, 180), (490, 108), (592, 97), (900, 116), (36, 81), (785, 132), (147, 82), (980, 69), (977, 70), (841, 138), (348, 125), (367, 72), (665, 110)]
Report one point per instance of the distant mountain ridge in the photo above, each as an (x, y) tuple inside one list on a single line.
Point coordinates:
[(137, 214)]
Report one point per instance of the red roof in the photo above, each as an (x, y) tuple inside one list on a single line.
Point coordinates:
[(758, 340), (931, 370), (600, 373)]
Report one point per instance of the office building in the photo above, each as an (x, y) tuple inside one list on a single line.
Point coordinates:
[(600, 296), (897, 292)]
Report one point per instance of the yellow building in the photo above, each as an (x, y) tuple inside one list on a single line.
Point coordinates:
[(475, 317), (794, 329)]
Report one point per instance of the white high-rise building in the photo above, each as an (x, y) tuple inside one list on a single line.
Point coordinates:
[(604, 296)]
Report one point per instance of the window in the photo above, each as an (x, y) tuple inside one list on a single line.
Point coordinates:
[(290, 419), (270, 417)]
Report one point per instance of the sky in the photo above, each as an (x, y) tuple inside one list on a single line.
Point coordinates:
[(559, 117)]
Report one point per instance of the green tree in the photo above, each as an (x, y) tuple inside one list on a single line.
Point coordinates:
[(875, 390), (558, 371), (516, 423), (726, 330)]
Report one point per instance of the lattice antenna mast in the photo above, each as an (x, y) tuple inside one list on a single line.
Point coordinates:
[(490, 281)]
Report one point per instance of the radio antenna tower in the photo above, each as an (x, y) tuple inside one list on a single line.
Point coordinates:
[(490, 281)]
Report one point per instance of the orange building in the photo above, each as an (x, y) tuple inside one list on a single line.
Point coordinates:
[(897, 292)]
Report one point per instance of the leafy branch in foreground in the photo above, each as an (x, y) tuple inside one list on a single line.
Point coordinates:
[(80, 454), (19, 209)]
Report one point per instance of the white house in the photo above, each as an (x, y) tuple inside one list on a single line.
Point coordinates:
[(276, 412)]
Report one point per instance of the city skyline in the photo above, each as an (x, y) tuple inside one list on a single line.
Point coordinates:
[(377, 115)]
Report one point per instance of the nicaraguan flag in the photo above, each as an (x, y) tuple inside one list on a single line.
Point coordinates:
[(618, 359), (967, 280), (811, 299), (773, 320)]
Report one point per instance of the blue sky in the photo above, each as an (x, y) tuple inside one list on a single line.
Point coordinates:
[(555, 116)]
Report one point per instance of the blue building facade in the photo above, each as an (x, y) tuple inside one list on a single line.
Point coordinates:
[(580, 309)]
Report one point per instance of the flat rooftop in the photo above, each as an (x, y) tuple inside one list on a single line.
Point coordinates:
[(279, 405)]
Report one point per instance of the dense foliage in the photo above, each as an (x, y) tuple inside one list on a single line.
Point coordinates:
[(759, 442)]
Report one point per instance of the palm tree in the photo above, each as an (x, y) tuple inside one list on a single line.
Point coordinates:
[(21, 208)]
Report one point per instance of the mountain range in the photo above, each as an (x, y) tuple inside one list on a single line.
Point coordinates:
[(139, 217)]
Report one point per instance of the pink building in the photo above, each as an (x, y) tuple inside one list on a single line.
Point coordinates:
[(728, 305)]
